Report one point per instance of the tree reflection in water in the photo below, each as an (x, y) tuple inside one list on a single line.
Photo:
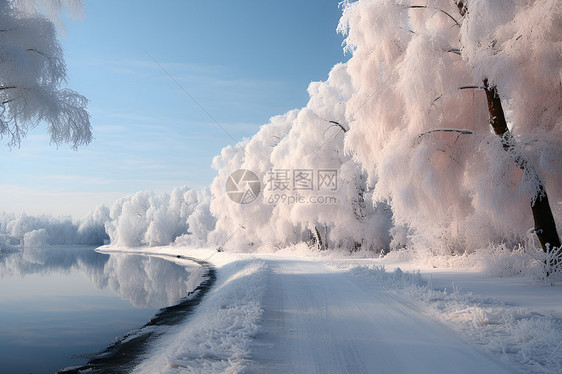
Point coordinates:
[(30, 278)]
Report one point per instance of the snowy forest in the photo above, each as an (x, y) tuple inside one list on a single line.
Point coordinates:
[(443, 133)]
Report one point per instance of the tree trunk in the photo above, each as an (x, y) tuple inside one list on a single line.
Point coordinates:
[(545, 226), (320, 245)]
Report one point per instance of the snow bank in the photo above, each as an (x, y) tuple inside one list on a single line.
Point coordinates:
[(518, 334), (217, 337)]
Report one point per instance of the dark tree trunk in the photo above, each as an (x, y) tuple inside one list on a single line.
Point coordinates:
[(319, 242), (545, 226)]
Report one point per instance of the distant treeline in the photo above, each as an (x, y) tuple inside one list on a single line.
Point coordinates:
[(145, 218)]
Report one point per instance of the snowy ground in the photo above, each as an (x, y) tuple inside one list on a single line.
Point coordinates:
[(283, 313)]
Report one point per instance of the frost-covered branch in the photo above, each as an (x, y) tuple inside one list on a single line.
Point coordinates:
[(32, 71), (460, 131), (441, 10), (335, 124)]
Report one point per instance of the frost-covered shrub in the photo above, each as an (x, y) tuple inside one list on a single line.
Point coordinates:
[(501, 261), (33, 243)]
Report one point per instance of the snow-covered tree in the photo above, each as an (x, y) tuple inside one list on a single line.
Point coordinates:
[(32, 74), (92, 227), (503, 39), (302, 146), (422, 125), (148, 218)]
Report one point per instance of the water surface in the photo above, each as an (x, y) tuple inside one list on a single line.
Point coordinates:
[(60, 305)]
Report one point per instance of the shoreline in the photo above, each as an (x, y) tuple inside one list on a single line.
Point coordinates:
[(127, 351)]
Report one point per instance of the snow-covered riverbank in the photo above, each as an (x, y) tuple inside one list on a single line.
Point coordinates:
[(301, 312)]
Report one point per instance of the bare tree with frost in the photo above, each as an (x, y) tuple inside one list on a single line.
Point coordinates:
[(32, 74)]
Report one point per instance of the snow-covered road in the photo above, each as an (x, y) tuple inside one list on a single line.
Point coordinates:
[(286, 313), (317, 320)]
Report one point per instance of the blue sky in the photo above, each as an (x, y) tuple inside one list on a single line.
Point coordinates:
[(244, 61)]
